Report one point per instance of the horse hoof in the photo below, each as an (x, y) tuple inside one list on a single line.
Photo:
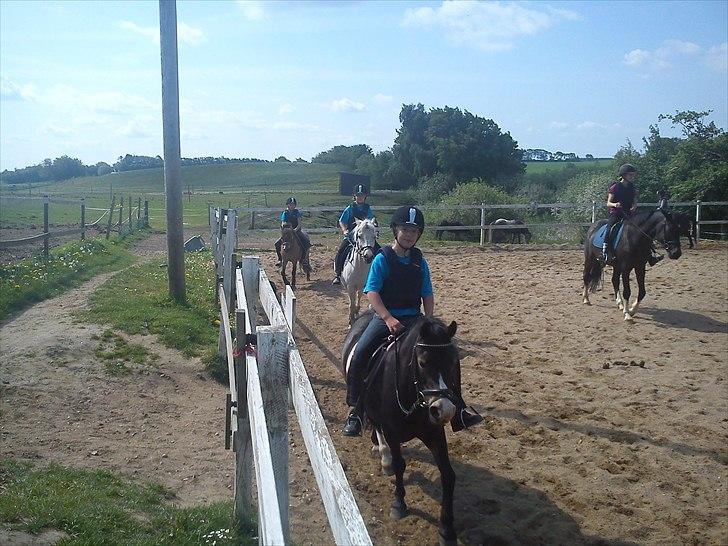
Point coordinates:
[(628, 318), (397, 513), (586, 302), (388, 471)]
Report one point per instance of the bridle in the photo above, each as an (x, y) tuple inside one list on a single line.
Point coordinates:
[(666, 243), (361, 249), (421, 394)]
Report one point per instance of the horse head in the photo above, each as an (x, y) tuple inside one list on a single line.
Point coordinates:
[(365, 237), (436, 364), (288, 237), (668, 233)]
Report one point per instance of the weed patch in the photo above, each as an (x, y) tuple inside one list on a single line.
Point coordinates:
[(118, 355)]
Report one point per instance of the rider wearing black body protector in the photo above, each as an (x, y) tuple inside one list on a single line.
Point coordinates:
[(398, 284), (358, 210)]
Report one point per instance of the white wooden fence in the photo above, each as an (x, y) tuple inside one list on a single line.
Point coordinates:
[(266, 371)]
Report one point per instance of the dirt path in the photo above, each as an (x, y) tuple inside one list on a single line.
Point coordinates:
[(573, 452)]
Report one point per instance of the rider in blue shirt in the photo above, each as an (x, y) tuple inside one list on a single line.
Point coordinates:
[(397, 285), (358, 210), (292, 216)]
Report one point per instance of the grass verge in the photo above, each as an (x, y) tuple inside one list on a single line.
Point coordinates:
[(37, 279), (99, 507), (137, 301)]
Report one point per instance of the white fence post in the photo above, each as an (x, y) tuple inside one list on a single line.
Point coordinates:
[(594, 211), (273, 370), (250, 266), (482, 224), (227, 265), (697, 222), (289, 308)]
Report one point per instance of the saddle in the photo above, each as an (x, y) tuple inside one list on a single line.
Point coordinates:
[(601, 233)]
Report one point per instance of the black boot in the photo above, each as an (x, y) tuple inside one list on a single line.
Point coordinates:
[(465, 417), (353, 424)]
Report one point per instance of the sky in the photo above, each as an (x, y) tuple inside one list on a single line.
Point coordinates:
[(294, 78)]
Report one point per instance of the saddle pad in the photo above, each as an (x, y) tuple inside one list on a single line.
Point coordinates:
[(598, 239)]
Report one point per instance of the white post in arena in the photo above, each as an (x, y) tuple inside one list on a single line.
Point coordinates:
[(482, 224)]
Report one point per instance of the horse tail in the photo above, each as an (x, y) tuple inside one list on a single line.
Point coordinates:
[(593, 275)]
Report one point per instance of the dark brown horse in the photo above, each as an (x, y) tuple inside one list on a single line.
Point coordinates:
[(407, 396), (294, 251), (687, 226), (632, 253)]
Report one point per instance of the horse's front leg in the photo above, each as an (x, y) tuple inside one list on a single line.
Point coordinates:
[(382, 449), (639, 272), (399, 507), (626, 294), (293, 274), (283, 272), (437, 444), (352, 305), (615, 284)]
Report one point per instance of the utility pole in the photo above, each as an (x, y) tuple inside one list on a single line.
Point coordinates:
[(172, 159)]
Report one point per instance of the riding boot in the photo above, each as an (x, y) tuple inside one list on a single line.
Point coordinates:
[(605, 252), (353, 424)]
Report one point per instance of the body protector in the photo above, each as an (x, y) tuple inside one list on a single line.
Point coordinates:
[(403, 287)]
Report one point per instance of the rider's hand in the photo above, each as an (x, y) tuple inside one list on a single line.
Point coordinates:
[(617, 205), (393, 324)]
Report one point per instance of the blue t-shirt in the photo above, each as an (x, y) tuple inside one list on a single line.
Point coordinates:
[(348, 214), (379, 273), (288, 215)]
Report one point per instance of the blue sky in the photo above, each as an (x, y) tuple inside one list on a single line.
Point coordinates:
[(293, 78)]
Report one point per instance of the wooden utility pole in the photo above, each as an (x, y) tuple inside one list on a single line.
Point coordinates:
[(172, 160)]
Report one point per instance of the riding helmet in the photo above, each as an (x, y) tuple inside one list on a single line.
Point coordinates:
[(627, 168), (359, 189), (408, 216), (291, 200)]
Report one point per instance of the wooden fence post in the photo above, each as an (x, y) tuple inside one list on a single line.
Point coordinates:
[(130, 214), (697, 222), (83, 218), (594, 211), (146, 213), (250, 267), (139, 210), (121, 212), (111, 214), (46, 203), (273, 370), (242, 444), (289, 308), (228, 264)]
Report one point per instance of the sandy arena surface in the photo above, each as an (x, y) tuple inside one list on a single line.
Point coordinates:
[(596, 432)]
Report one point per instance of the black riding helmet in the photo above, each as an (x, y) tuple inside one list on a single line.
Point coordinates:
[(408, 216), (627, 168), (359, 189), (291, 200)]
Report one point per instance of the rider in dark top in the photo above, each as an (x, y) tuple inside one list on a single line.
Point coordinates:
[(398, 283), (358, 210)]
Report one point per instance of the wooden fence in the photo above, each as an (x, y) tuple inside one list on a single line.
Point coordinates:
[(268, 216), (266, 374), (123, 225)]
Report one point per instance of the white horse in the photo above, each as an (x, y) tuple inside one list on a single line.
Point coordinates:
[(356, 267)]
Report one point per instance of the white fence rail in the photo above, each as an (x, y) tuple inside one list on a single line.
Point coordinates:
[(266, 371)]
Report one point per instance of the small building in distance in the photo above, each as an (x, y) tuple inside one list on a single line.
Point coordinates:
[(348, 181)]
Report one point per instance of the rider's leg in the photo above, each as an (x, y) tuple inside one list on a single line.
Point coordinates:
[(465, 415), (278, 244), (607, 249), (340, 259), (370, 339)]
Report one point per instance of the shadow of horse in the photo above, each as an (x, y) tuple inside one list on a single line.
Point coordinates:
[(677, 318), (496, 511)]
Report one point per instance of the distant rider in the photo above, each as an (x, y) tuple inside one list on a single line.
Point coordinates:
[(358, 210), (292, 216), (398, 284)]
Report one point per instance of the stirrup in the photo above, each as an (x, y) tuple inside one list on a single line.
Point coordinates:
[(353, 425), (336, 280)]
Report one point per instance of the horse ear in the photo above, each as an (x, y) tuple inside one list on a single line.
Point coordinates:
[(452, 329), (374, 221)]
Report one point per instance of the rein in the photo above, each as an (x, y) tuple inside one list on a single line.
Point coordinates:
[(419, 402), (665, 244)]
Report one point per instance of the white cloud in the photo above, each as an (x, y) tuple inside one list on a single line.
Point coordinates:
[(379, 98), (252, 9), (12, 91), (189, 35), (135, 129), (285, 109), (347, 105), (717, 57), (489, 26), (185, 33), (672, 51), (292, 126), (55, 130), (558, 125)]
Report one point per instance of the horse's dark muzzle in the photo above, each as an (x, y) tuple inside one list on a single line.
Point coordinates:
[(675, 254)]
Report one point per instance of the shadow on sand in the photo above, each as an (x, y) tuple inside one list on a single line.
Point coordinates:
[(677, 318)]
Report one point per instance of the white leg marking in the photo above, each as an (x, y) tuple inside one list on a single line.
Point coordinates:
[(385, 453)]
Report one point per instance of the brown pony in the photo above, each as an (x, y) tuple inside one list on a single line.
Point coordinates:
[(292, 250)]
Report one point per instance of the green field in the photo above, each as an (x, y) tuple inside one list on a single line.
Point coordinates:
[(237, 185)]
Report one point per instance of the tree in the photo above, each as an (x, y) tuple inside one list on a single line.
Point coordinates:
[(454, 143), (343, 155), (281, 159)]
